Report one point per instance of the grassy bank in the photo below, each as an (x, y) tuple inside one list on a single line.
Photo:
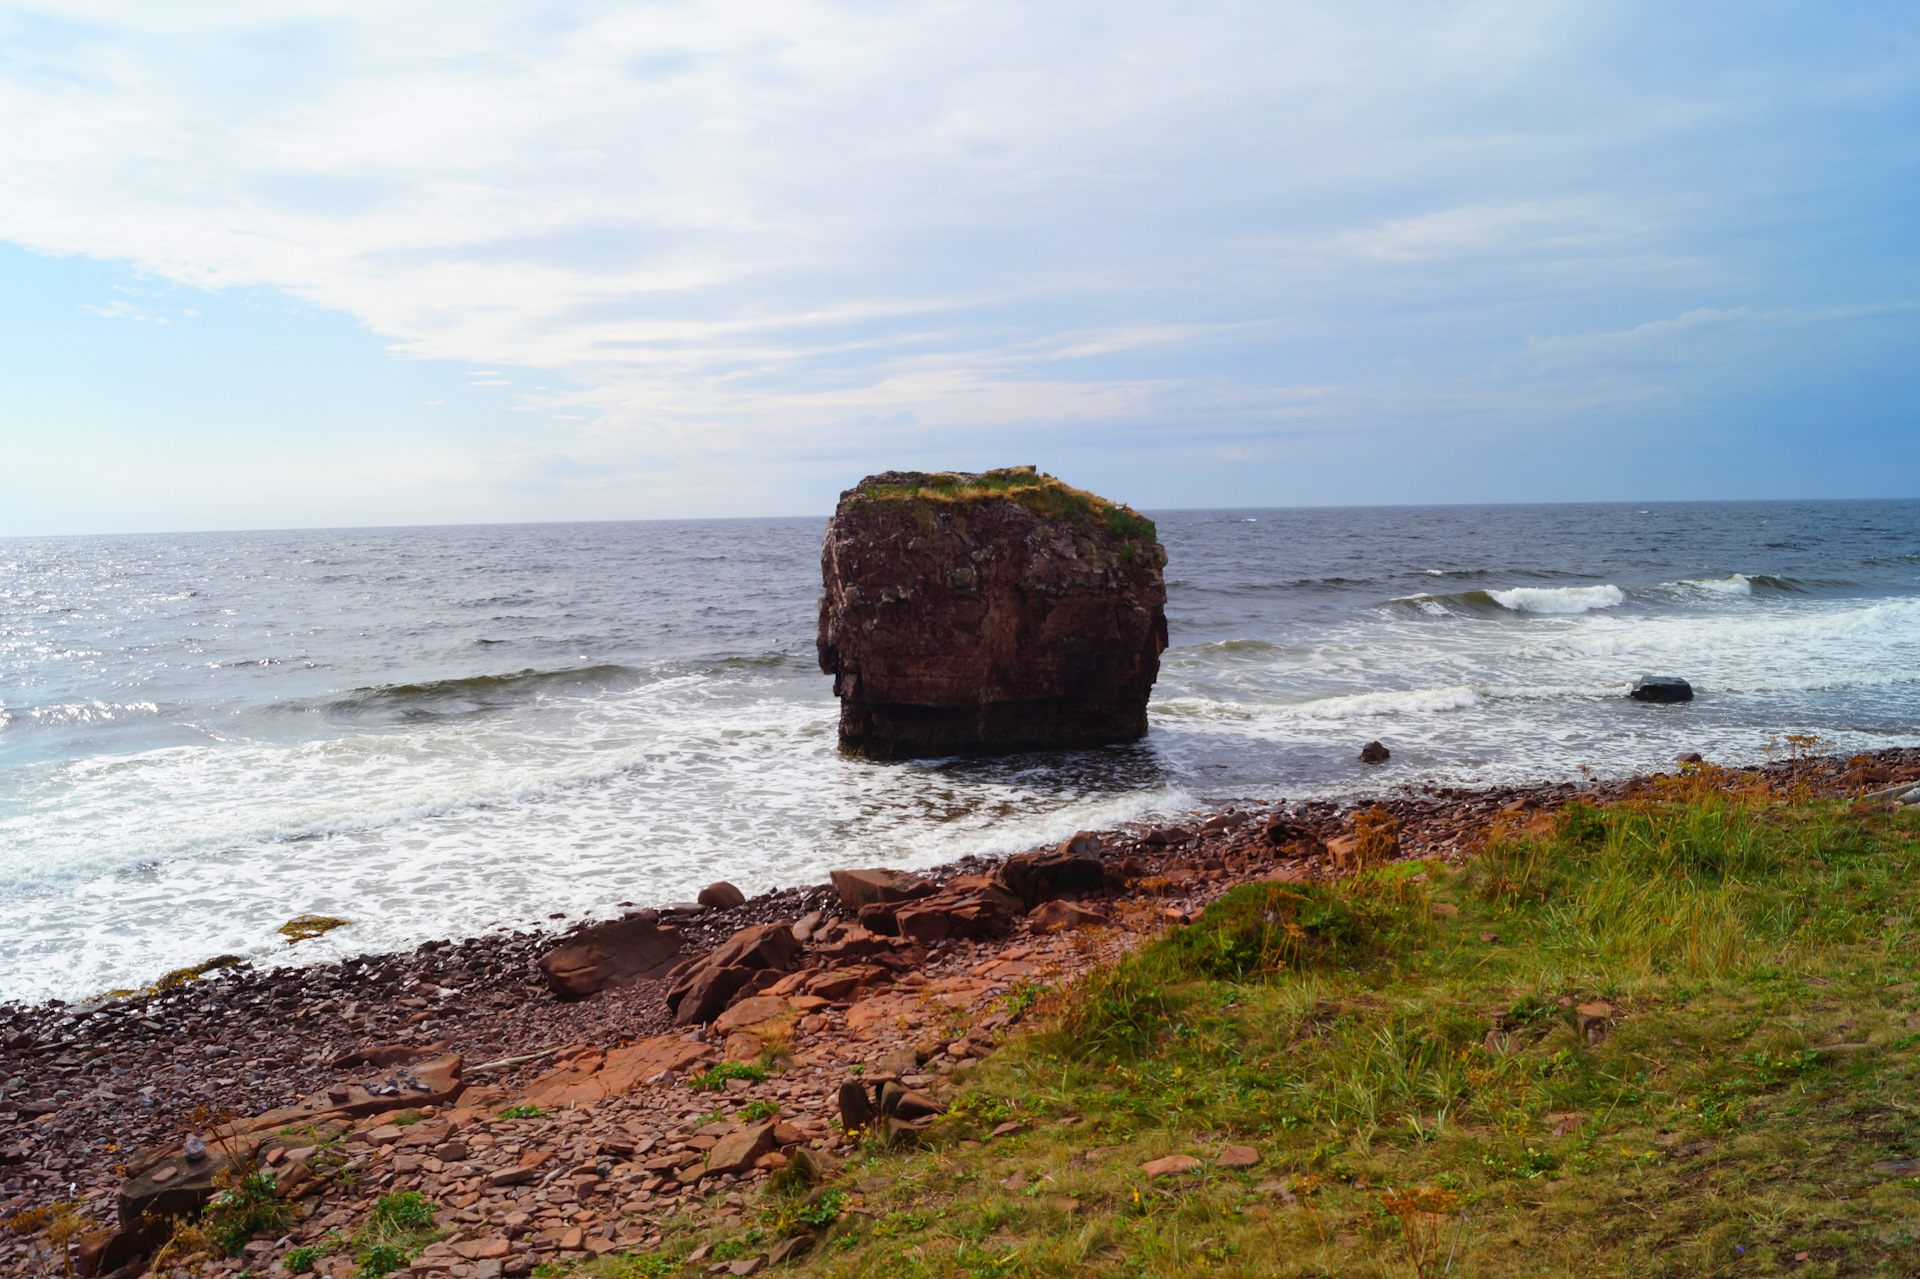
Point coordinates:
[(1671, 1037)]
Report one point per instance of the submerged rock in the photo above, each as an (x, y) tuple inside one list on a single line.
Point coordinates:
[(1661, 688), (988, 613)]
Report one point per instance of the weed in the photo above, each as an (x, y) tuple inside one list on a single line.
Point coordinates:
[(715, 1078), (522, 1112), (382, 1259), (755, 1111)]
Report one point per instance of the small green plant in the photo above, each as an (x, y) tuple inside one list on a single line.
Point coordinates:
[(824, 1210), (382, 1259), (407, 1210), (407, 1118), (755, 1111), (249, 1205), (522, 1112), (716, 1077)]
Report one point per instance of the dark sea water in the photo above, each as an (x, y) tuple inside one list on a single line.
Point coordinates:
[(438, 731)]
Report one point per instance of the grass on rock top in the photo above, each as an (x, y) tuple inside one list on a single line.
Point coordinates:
[(1404, 1052), (1043, 494)]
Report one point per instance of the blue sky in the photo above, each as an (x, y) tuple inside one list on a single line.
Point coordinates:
[(349, 263)]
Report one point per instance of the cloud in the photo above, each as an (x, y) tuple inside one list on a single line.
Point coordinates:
[(742, 227)]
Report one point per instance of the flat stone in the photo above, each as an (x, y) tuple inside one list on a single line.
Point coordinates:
[(751, 1012), (1238, 1157), (1170, 1166)]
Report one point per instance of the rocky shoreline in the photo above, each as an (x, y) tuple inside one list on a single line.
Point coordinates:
[(874, 1000)]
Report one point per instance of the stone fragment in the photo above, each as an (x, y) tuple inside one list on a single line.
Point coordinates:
[(721, 896), (1063, 916), (1043, 876), (1374, 753), (856, 1108), (1592, 1021), (913, 1104), (615, 954), (969, 614), (736, 1151), (1238, 1157), (1170, 1166), (700, 988), (952, 917), (789, 1248), (859, 888), (751, 1012)]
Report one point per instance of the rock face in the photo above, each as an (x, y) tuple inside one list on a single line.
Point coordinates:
[(979, 614)]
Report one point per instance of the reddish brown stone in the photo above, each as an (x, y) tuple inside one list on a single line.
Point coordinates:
[(1039, 877), (859, 888), (616, 954), (969, 618)]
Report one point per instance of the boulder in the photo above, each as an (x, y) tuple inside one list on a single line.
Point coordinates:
[(1039, 877), (1374, 753), (859, 888), (616, 954), (983, 614), (1661, 688), (700, 988), (953, 916), (721, 896)]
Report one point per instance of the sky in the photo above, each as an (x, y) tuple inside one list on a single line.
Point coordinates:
[(328, 264)]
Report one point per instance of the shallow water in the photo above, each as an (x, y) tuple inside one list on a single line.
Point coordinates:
[(436, 731)]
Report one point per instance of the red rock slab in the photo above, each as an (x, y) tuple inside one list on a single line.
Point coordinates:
[(751, 1012), (596, 1075), (883, 1010), (1171, 1166)]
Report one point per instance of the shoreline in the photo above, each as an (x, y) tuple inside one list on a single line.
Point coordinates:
[(133, 1070)]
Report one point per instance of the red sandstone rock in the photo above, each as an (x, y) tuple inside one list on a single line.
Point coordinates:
[(702, 987), (1039, 877), (978, 614), (859, 888), (1059, 916), (616, 954)]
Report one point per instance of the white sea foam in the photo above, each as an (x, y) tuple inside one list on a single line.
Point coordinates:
[(1731, 584), (1558, 599)]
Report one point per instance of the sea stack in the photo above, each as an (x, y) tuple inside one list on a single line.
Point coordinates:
[(975, 614)]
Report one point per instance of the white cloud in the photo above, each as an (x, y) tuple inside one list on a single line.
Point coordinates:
[(742, 226)]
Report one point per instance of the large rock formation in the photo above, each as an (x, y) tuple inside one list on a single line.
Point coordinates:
[(976, 614)]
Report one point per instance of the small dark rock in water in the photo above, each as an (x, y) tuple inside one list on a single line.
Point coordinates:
[(1374, 753), (1688, 757), (1661, 688)]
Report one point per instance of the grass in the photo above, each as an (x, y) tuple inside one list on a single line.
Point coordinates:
[(1041, 493), (1408, 1054)]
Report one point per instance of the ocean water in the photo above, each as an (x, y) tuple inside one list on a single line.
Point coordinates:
[(440, 731)]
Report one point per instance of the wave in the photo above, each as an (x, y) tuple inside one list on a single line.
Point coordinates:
[(1558, 599), (1740, 584), (433, 699), (77, 713), (1543, 600)]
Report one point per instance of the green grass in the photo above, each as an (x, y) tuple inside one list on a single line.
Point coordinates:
[(1043, 494), (399, 1226), (715, 1078), (1425, 1096)]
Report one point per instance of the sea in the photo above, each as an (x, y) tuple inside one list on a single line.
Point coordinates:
[(444, 731)]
